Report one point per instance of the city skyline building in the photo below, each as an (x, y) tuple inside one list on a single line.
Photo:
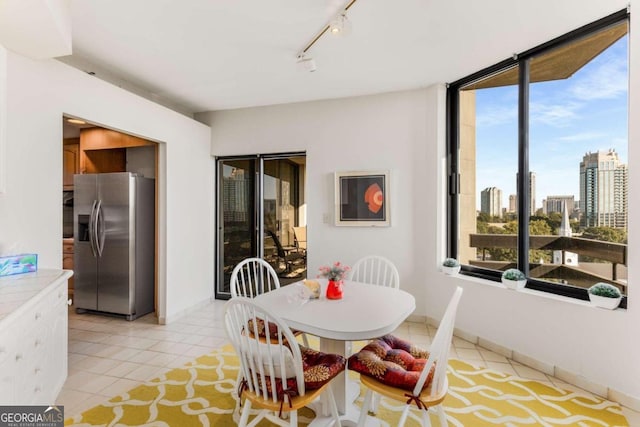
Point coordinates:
[(491, 201), (513, 203), (603, 190), (558, 203)]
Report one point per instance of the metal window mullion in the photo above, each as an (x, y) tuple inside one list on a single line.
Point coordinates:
[(524, 197), (453, 114), (259, 206)]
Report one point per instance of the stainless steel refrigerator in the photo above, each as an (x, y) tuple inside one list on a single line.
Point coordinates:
[(114, 243)]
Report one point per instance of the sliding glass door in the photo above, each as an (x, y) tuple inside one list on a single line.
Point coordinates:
[(260, 201)]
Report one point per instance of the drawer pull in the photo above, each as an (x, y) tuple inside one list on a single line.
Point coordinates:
[(37, 390), (18, 357), (69, 301), (37, 370), (37, 343), (38, 315)]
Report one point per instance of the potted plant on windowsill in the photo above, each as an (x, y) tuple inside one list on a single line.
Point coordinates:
[(450, 266), (605, 295), (514, 279)]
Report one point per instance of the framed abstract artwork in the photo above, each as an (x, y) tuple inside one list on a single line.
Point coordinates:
[(362, 199)]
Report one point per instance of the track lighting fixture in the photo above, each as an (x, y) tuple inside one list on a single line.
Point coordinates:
[(340, 25), (306, 63)]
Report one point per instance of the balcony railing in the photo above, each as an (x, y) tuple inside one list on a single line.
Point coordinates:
[(613, 257)]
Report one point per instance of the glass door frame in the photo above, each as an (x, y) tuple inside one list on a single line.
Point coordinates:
[(258, 212)]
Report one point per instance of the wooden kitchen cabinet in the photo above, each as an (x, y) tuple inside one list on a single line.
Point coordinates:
[(105, 150), (70, 161), (67, 260)]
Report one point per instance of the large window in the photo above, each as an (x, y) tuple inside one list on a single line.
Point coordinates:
[(538, 163)]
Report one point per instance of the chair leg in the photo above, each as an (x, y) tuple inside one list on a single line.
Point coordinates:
[(375, 401), (403, 417), (293, 418), (365, 408), (426, 420), (441, 415), (333, 407), (305, 340), (245, 413)]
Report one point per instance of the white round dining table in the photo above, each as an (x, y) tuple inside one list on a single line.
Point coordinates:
[(364, 312)]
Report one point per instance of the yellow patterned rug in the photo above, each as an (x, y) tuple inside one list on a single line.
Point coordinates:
[(203, 394)]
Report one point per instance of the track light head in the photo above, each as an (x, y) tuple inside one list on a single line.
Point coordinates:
[(340, 25), (306, 63)]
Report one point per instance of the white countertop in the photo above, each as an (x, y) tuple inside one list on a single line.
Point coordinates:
[(17, 290)]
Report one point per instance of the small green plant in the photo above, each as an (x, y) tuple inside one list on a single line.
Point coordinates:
[(513, 274), (604, 290), (450, 262)]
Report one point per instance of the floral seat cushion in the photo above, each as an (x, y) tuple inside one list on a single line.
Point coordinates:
[(273, 328), (392, 361), (318, 369)]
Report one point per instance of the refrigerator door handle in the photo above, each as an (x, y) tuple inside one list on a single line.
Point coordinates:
[(92, 230), (99, 228)]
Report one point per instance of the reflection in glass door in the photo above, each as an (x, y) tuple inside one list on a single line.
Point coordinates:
[(260, 204)]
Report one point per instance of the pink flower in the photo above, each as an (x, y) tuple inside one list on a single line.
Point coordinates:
[(336, 272)]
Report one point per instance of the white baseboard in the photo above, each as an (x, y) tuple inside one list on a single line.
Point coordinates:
[(556, 371), (175, 316)]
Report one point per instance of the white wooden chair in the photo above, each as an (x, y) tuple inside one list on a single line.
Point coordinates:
[(253, 277), (375, 270), (431, 396), (272, 374), (380, 271)]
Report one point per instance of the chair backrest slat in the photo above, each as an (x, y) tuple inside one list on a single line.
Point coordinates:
[(439, 352), (375, 270), (253, 277)]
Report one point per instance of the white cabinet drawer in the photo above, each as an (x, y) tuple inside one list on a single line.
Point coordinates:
[(33, 349)]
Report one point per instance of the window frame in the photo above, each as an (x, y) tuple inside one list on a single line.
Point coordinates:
[(522, 61)]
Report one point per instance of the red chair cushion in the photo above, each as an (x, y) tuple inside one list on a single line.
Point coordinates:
[(318, 369), (273, 329), (392, 361)]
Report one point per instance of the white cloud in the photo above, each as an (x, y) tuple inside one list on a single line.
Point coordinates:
[(497, 115), (559, 115), (608, 81), (585, 136)]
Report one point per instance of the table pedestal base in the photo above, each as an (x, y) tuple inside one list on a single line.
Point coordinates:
[(350, 418)]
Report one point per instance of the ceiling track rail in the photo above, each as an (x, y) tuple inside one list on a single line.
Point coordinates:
[(324, 30)]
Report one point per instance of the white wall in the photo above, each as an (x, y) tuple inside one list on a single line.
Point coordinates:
[(405, 132), (373, 132), (38, 93)]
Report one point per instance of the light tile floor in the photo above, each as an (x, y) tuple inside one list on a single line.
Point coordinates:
[(109, 355)]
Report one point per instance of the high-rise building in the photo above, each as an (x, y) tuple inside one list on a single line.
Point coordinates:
[(532, 192), (513, 203), (237, 195), (491, 201), (558, 204), (603, 190)]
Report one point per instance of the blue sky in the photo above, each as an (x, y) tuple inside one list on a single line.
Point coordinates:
[(568, 118)]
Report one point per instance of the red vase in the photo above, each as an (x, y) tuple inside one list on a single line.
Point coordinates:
[(334, 289)]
